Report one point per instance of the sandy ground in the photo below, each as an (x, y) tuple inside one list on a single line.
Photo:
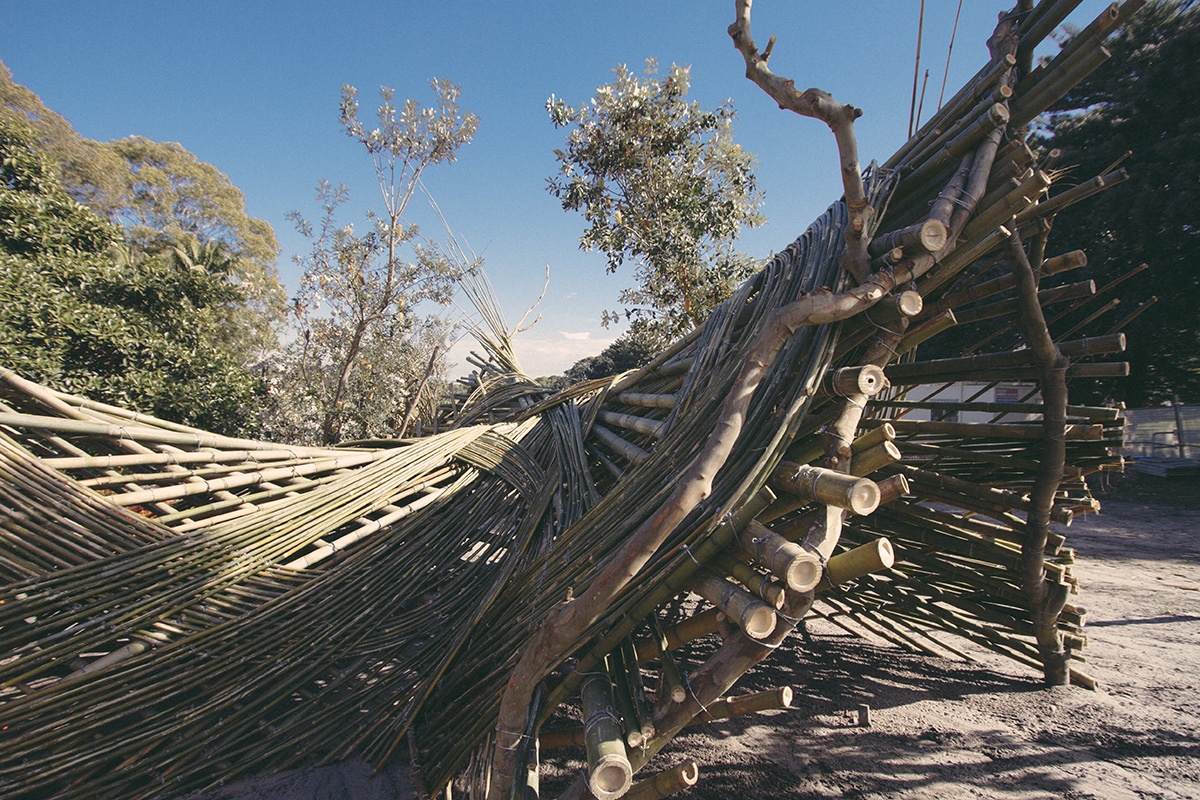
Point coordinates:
[(949, 729)]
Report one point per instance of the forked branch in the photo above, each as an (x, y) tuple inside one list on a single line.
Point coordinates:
[(818, 104)]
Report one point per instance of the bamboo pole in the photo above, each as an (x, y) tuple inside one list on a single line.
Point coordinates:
[(679, 778), (609, 772)]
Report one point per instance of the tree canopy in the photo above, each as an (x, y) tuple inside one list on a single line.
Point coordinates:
[(163, 197), (77, 311), (662, 183), (1140, 102)]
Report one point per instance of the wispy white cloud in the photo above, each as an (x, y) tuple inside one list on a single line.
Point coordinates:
[(576, 337)]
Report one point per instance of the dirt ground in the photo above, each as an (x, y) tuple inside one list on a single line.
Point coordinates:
[(952, 729)]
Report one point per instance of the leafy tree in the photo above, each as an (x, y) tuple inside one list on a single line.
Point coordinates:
[(165, 198), (1141, 101), (82, 314), (358, 288), (90, 170), (662, 183)]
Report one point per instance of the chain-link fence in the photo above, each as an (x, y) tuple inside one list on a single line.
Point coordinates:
[(1163, 432)]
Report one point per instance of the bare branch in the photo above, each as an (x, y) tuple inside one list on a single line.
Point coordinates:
[(818, 104)]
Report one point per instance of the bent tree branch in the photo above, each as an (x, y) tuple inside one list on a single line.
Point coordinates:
[(818, 104)]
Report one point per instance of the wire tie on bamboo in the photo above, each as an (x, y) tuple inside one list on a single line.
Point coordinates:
[(687, 682), (879, 340), (599, 714), (831, 432), (816, 551), (516, 744), (957, 200), (691, 555)]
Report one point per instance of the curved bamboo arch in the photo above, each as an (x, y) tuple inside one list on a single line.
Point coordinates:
[(169, 594)]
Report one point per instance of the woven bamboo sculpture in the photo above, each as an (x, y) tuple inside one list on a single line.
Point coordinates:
[(180, 607)]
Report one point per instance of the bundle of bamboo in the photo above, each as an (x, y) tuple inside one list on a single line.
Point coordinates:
[(179, 605)]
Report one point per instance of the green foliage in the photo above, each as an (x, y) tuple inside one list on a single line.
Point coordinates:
[(362, 353), (90, 171), (86, 316), (163, 197), (1142, 101), (662, 183)]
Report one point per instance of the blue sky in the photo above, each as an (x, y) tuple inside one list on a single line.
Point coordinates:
[(253, 88)]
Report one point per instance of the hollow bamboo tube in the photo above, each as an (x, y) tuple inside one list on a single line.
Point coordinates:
[(954, 108), (641, 706), (672, 681), (877, 457), (1041, 20), (847, 381), (631, 422), (1055, 294), (992, 117), (680, 777), (862, 560), (893, 488), (806, 451), (676, 636), (1074, 195), (954, 367), (623, 697), (647, 400), (817, 484), (752, 703), (982, 291), (926, 330), (993, 430), (609, 772), (627, 450), (753, 616), (932, 152), (799, 568), (962, 256), (886, 312), (1012, 204), (929, 235), (762, 586), (1048, 91)]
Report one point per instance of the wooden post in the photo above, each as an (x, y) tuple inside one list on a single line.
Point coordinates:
[(1180, 433)]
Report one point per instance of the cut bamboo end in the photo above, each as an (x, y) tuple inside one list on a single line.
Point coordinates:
[(862, 560), (753, 703), (753, 616), (857, 495), (610, 777), (804, 572), (876, 458), (1081, 678), (757, 620), (799, 568), (847, 381), (892, 488), (664, 784), (609, 771)]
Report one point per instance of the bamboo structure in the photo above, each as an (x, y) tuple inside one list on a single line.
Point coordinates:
[(180, 608)]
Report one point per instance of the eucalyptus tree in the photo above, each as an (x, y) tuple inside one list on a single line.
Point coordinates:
[(362, 285), (661, 183)]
